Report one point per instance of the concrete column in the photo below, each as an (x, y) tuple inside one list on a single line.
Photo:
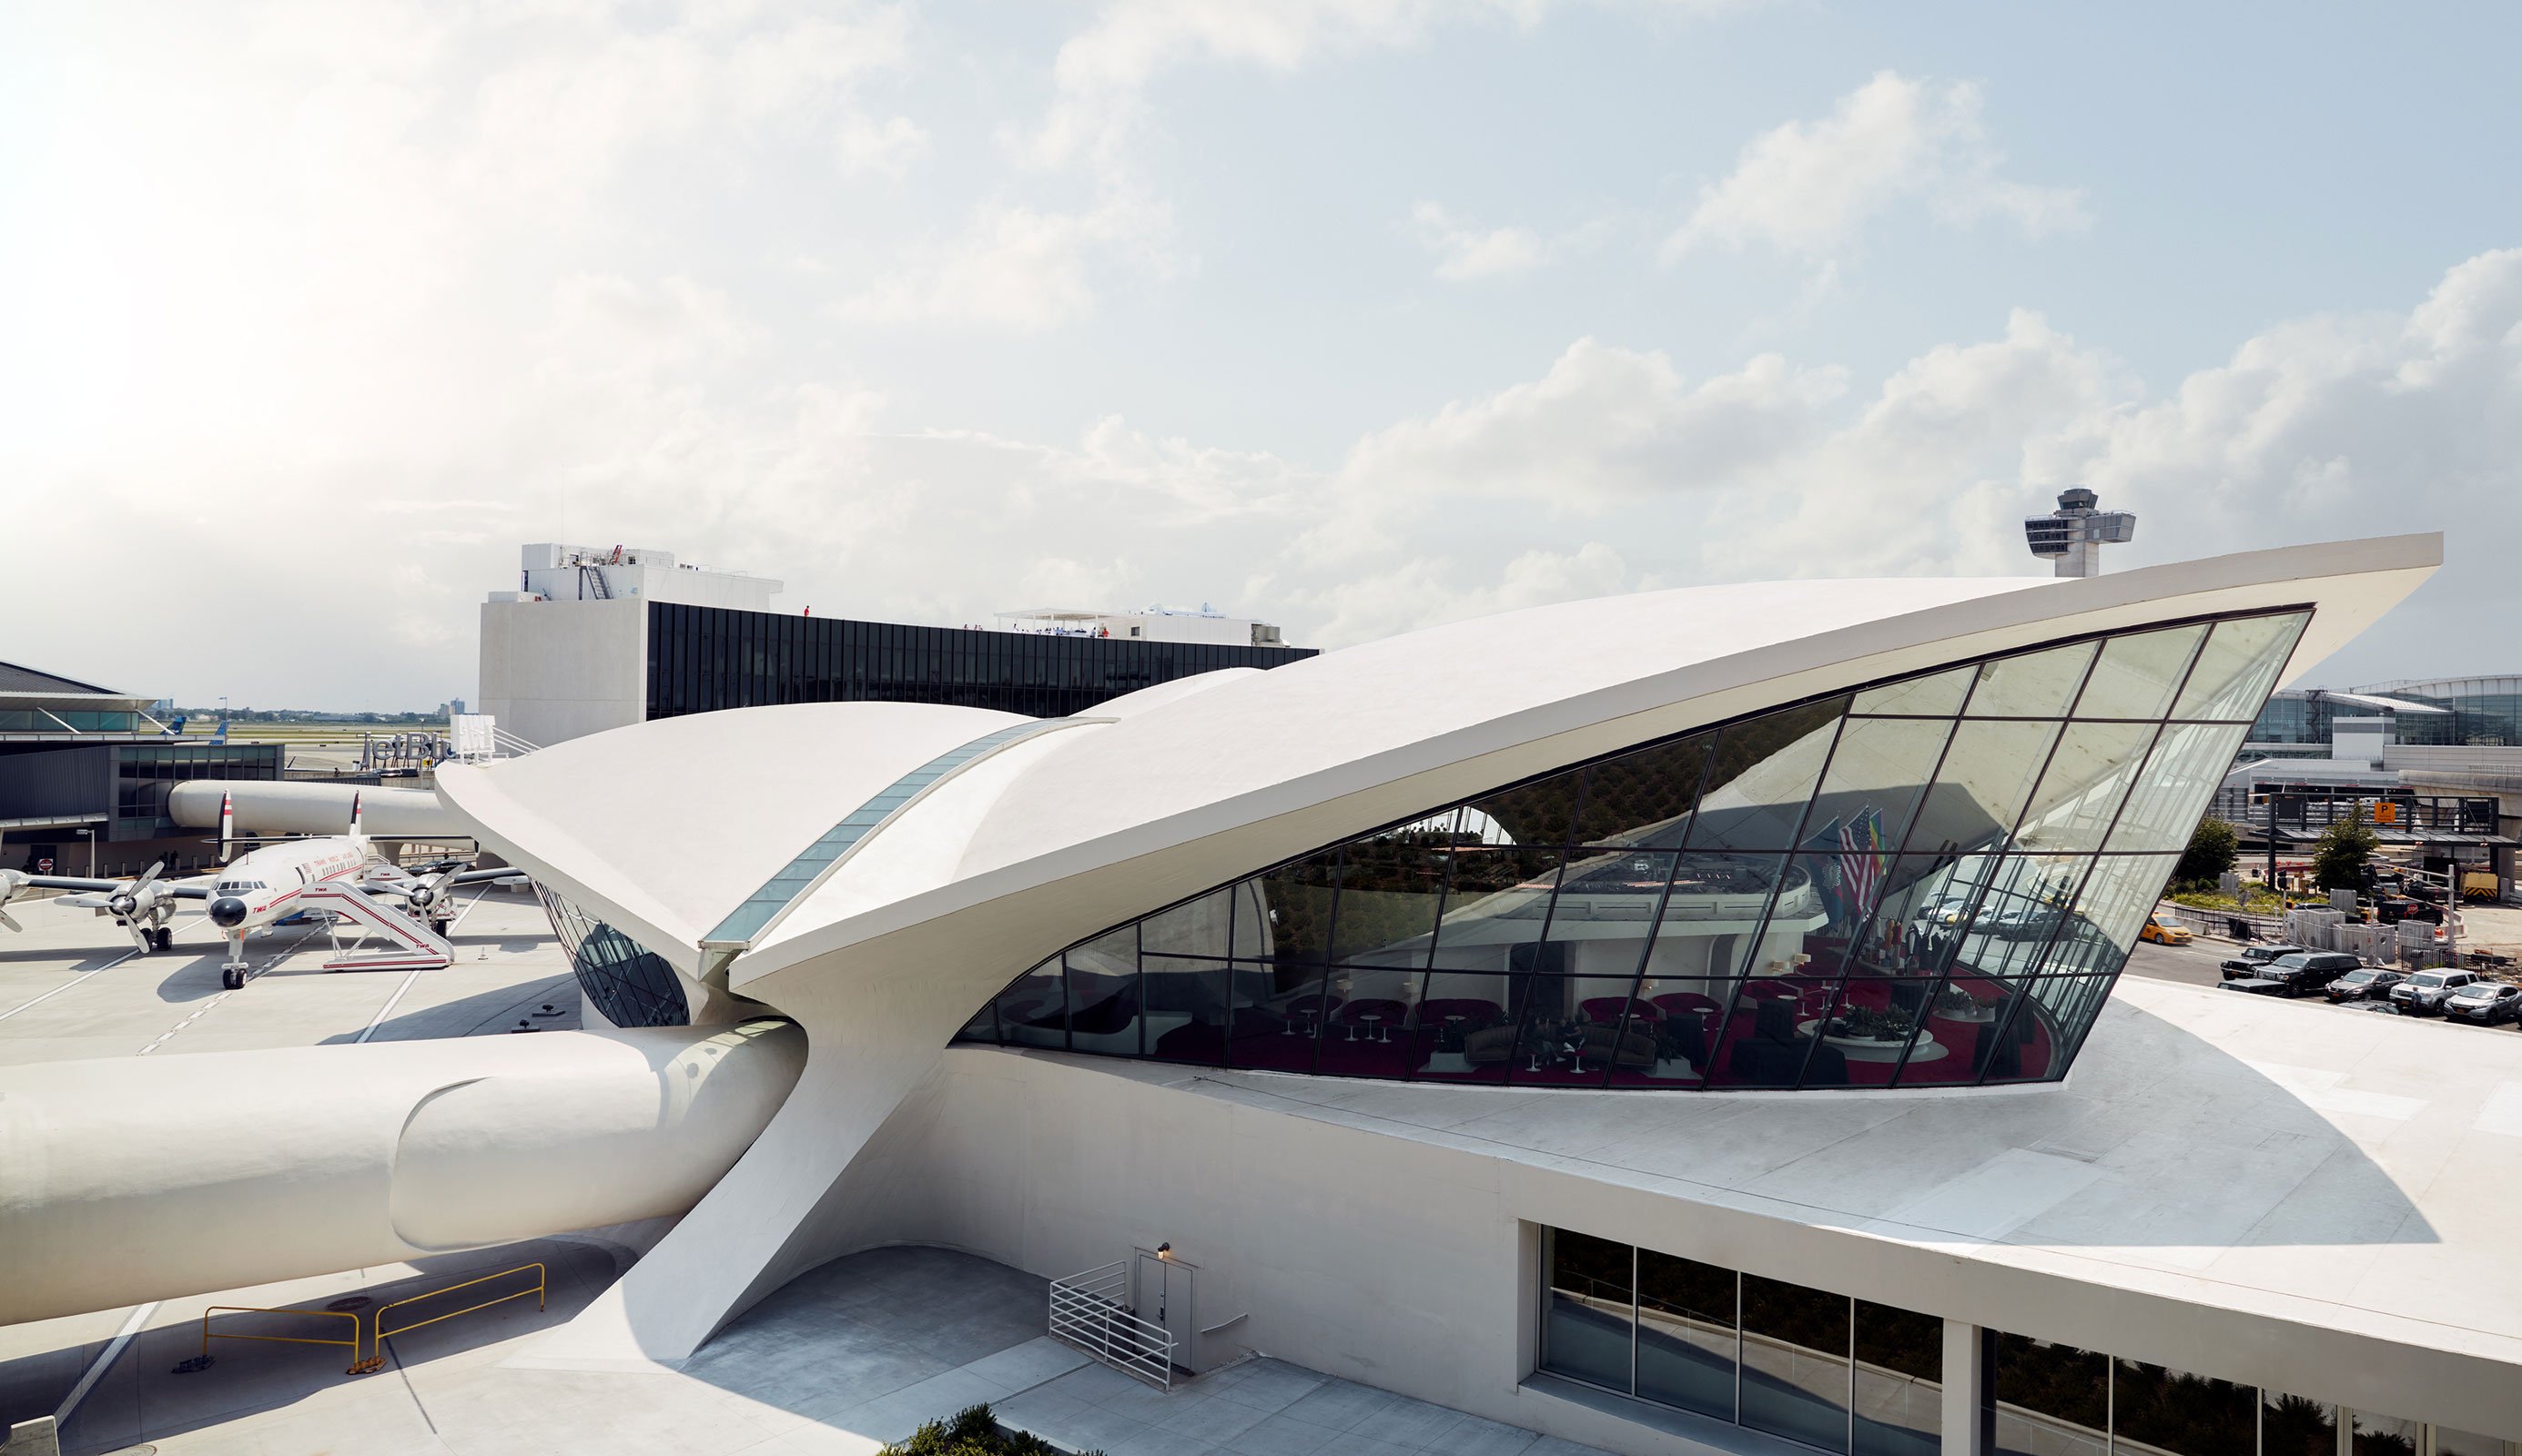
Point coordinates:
[(1964, 1390)]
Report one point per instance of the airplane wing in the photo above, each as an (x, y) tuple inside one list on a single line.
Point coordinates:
[(96, 899), (72, 883), (485, 876)]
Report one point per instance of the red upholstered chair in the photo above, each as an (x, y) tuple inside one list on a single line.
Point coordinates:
[(1690, 1004), (1607, 1009)]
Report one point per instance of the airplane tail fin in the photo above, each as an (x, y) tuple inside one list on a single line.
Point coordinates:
[(175, 729), (357, 831), (228, 824), (220, 735)]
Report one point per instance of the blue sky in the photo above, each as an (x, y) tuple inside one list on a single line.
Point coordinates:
[(1354, 315)]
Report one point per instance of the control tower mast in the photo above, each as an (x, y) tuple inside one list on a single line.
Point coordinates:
[(2072, 536)]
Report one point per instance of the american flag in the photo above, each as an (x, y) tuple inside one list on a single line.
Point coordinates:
[(1860, 856)]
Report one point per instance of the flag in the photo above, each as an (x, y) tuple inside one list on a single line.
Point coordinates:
[(1822, 859), (1860, 858)]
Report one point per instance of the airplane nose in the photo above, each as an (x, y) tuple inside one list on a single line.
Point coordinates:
[(227, 911)]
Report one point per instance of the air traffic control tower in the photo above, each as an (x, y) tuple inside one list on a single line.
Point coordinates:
[(2072, 537)]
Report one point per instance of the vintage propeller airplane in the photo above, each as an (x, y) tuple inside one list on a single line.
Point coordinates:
[(261, 887)]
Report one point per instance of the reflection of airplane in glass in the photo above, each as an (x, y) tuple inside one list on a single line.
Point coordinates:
[(266, 885)]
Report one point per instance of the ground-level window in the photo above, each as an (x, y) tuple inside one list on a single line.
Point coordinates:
[(2048, 1399), (1834, 1373)]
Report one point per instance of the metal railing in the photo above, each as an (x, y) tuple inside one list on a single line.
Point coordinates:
[(377, 1331), (1087, 1312), (375, 1340), (351, 1343)]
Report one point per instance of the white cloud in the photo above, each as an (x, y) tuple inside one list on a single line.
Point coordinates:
[(887, 147), (1604, 425), (1468, 252), (1017, 266), (1808, 186)]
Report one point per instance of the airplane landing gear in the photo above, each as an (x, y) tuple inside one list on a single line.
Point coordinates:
[(233, 977), (162, 938)]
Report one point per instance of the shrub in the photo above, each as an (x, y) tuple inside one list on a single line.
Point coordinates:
[(974, 1432)]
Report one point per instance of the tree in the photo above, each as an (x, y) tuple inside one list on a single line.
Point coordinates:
[(2214, 846), (2338, 861)]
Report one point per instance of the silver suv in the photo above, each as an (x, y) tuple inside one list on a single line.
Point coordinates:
[(2428, 990)]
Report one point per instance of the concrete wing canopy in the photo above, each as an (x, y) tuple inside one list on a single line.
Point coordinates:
[(661, 828)]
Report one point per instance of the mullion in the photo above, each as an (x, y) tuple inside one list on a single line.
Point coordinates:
[(2093, 861), (1979, 894), (1777, 884)]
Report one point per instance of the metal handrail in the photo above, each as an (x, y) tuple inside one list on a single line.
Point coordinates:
[(1087, 1312), (358, 1366), (377, 1331)]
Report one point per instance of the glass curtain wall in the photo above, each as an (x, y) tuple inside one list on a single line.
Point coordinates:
[(1833, 1372), (628, 983), (701, 659), (1932, 881)]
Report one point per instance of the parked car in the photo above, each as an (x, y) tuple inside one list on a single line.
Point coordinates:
[(2485, 1003), (2162, 934), (2364, 983), (2255, 959), (2426, 991), (2307, 972), (2256, 985)]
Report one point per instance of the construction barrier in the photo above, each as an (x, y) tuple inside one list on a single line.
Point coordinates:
[(377, 1331), (209, 1334)]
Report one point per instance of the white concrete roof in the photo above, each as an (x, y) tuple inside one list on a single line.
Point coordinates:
[(670, 823), (663, 827)]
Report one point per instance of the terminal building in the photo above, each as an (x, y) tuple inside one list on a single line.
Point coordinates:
[(86, 772), (597, 639), (1683, 1023), (1689, 1022)]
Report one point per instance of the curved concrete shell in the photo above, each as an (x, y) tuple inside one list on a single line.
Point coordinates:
[(137, 1179), (885, 949)]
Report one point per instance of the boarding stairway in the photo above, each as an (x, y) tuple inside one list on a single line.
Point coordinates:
[(414, 945)]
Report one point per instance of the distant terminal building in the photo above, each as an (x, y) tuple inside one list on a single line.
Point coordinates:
[(601, 639), (84, 771)]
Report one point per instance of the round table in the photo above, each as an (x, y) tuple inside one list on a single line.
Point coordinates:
[(1867, 1048)]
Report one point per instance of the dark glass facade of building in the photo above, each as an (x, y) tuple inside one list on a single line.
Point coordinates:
[(144, 773), (2485, 711), (1928, 883), (1845, 1375), (701, 659), (2306, 715), (1833, 1372)]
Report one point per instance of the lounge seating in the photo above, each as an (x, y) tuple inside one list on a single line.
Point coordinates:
[(1607, 1010)]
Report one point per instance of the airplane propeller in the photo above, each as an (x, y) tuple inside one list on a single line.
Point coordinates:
[(130, 907), (10, 882)]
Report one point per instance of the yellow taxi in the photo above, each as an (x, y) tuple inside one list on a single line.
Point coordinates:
[(2162, 934)]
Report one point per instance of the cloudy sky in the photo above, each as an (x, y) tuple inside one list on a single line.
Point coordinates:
[(1353, 315)]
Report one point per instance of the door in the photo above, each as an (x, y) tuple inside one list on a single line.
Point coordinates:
[(1162, 1288)]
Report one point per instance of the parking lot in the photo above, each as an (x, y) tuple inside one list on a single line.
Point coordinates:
[(2196, 963)]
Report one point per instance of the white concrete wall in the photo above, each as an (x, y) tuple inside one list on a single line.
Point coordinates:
[(552, 671), (1409, 1265)]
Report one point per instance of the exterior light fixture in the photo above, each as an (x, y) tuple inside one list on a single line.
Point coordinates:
[(1164, 1251)]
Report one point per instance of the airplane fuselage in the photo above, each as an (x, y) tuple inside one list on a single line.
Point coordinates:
[(264, 885)]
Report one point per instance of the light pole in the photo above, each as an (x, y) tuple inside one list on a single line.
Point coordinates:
[(89, 835)]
